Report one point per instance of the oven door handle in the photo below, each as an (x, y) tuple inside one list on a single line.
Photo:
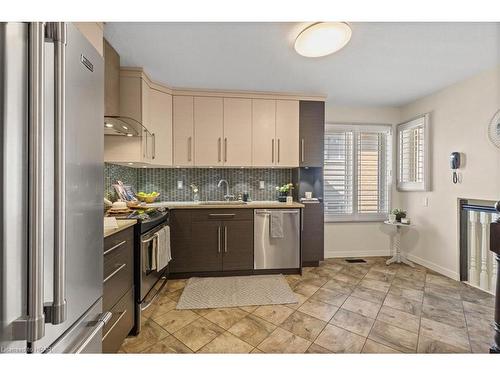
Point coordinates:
[(150, 239)]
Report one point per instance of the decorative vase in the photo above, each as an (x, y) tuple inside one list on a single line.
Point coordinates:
[(282, 196), (392, 218), (400, 216)]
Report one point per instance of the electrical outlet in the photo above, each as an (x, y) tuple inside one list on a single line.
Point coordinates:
[(425, 202), (179, 184), (262, 185)]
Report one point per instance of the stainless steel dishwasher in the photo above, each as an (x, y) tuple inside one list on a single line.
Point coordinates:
[(276, 253)]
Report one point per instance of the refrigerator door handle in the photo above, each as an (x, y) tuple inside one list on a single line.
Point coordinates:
[(56, 311), (32, 326)]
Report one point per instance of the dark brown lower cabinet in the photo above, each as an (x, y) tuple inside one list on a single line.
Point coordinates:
[(312, 234), (210, 241), (206, 247), (237, 245), (118, 288)]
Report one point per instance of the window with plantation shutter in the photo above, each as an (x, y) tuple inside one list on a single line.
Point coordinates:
[(413, 160), (357, 172)]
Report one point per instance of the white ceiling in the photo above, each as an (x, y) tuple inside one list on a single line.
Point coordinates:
[(385, 64)]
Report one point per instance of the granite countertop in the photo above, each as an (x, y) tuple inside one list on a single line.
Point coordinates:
[(122, 224), (251, 205)]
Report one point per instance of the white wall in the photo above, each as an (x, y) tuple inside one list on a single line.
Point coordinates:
[(358, 239), (460, 115)]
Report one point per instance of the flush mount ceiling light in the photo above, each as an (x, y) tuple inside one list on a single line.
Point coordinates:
[(322, 38)]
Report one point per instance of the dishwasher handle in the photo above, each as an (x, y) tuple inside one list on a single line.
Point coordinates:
[(268, 212)]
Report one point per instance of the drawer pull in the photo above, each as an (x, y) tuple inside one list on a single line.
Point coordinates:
[(122, 314), (115, 247), (115, 272), (221, 215)]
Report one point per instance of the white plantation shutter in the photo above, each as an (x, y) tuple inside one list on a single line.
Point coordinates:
[(338, 173), (412, 149), (373, 173), (357, 172)]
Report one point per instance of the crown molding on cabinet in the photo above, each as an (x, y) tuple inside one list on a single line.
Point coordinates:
[(139, 72)]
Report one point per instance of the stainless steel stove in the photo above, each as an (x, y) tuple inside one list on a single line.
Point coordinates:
[(149, 281)]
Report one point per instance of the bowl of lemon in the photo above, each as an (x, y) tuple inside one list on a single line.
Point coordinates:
[(147, 197)]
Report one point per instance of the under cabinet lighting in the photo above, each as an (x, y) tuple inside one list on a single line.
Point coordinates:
[(108, 125), (129, 134), (322, 39)]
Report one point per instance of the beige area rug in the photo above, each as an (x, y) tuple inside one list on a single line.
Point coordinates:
[(213, 292)]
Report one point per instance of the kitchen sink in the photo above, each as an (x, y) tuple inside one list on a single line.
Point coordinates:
[(217, 203)]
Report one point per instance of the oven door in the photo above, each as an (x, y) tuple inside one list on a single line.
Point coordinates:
[(150, 275)]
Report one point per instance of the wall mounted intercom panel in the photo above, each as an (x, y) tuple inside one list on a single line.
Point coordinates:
[(455, 165)]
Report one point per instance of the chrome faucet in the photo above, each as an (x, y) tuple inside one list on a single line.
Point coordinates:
[(227, 196)]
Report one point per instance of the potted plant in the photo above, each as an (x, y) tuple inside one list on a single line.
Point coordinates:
[(398, 213), (194, 189), (284, 191)]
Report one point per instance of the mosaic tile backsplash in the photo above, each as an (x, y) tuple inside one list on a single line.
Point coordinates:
[(164, 181)]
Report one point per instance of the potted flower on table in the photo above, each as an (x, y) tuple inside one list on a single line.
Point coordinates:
[(284, 191)]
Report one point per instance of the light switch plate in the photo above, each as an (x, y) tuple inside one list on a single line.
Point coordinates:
[(262, 185), (425, 201), (179, 184)]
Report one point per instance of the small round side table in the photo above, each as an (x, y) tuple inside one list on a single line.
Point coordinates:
[(398, 256)]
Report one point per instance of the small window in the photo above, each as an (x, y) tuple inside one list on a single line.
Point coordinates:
[(413, 155), (357, 172)]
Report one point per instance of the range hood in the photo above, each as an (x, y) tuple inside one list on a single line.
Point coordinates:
[(114, 124)]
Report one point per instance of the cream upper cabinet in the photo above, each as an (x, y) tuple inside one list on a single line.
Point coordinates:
[(153, 109), (160, 122), (183, 133), (208, 131), (287, 133), (263, 132), (134, 103), (93, 31), (237, 143)]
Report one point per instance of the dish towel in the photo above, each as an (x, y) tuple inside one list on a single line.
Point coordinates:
[(164, 252), (276, 229)]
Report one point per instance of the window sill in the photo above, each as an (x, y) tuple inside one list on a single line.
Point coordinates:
[(379, 219)]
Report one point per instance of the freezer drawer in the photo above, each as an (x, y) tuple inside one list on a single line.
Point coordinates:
[(276, 253)]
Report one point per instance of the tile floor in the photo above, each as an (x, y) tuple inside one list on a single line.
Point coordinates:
[(343, 308)]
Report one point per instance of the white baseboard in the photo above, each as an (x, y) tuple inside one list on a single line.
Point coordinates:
[(433, 266), (356, 254), (378, 253)]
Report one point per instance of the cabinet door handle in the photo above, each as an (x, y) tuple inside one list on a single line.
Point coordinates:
[(190, 139), (154, 145), (218, 150), (218, 239), (272, 150), (278, 150), (225, 239), (225, 149), (302, 150), (145, 153)]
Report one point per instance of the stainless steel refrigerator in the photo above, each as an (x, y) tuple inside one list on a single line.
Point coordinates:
[(51, 178)]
